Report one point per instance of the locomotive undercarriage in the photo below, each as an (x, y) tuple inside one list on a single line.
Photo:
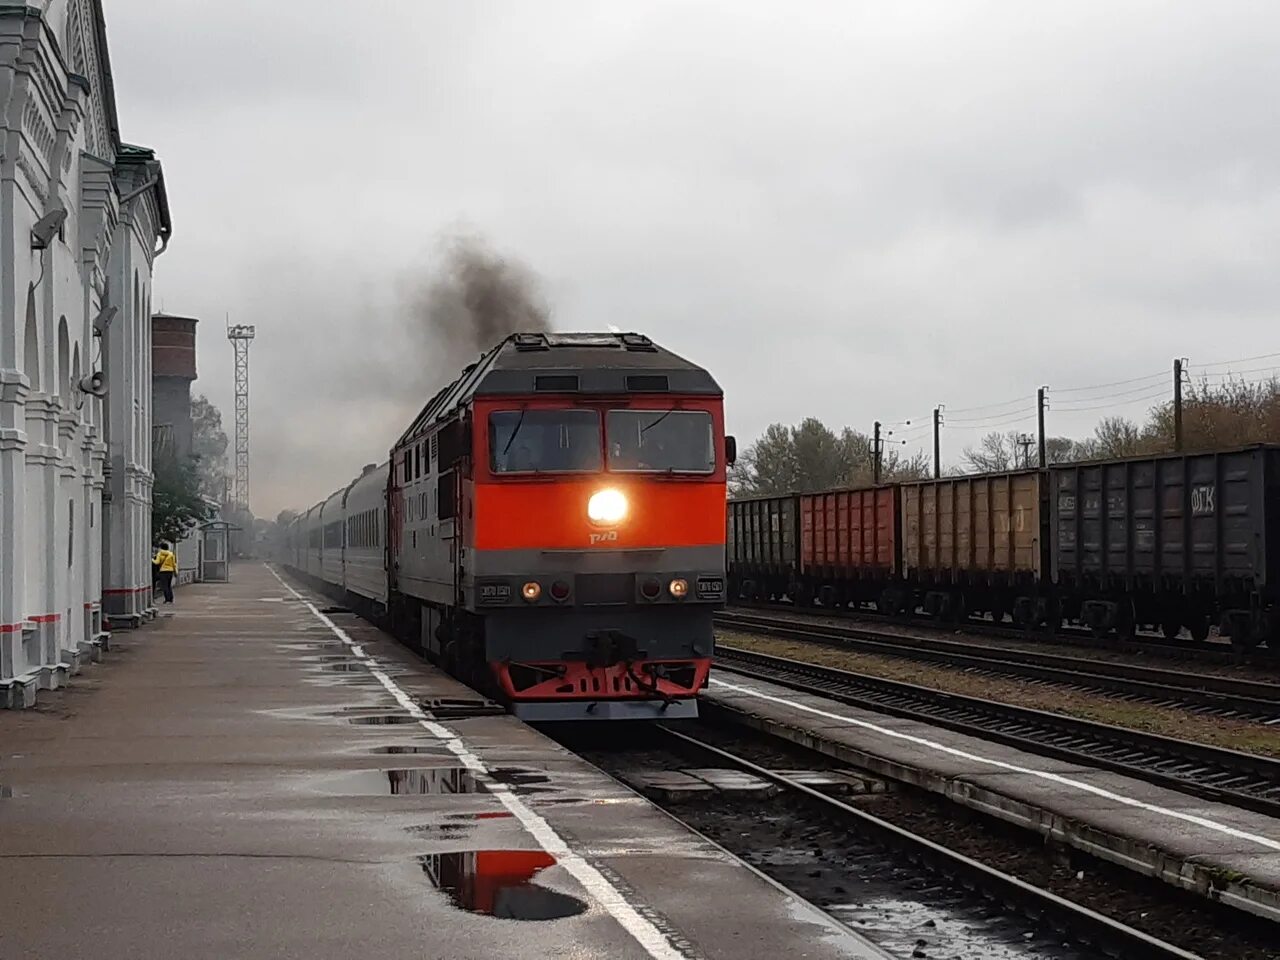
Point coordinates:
[(569, 664)]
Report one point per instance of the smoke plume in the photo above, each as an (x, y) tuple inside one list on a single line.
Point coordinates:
[(475, 298)]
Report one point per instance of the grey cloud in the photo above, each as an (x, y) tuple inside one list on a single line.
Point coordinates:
[(871, 208)]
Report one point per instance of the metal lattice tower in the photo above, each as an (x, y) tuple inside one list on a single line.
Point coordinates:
[(240, 335)]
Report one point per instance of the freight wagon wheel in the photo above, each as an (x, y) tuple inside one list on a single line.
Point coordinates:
[(1171, 629), (1198, 625), (1126, 623)]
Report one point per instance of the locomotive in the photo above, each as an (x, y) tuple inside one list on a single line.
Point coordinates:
[(550, 528)]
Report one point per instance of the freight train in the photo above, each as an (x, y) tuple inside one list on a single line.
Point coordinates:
[(1179, 541), (550, 528)]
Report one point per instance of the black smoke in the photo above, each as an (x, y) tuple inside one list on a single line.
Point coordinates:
[(474, 298)]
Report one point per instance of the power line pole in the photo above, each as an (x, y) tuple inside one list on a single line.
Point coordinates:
[(876, 450), (241, 336), (937, 446), (1177, 405), (1040, 413), (1024, 441)]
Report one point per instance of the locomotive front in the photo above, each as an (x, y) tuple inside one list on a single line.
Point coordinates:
[(595, 538)]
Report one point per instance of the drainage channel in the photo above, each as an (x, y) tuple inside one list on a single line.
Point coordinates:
[(912, 873)]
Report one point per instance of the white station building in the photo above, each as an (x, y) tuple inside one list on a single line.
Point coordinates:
[(83, 216)]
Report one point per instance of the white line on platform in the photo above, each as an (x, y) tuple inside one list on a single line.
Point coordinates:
[(653, 940), (1005, 765)]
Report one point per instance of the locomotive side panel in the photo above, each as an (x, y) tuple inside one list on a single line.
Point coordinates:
[(424, 553)]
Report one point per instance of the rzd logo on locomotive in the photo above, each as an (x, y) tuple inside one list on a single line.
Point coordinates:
[(608, 536)]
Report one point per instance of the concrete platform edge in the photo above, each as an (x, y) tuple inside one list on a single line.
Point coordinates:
[(1194, 874)]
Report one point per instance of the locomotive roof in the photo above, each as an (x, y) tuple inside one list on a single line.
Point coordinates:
[(525, 364)]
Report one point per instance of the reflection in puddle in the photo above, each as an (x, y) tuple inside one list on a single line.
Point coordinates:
[(5, 791), (416, 781), (384, 718), (345, 666), (431, 780), (496, 883)]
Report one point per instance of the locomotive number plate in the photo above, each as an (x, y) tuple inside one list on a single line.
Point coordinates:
[(495, 592), (709, 587)]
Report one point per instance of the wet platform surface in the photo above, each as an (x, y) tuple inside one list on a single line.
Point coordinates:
[(239, 780), (1211, 848)]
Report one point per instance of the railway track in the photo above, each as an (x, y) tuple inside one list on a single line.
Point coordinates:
[(1205, 693), (1244, 780), (1089, 932), (1177, 648)]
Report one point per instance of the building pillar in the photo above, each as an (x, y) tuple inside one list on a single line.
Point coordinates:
[(71, 572), (41, 644), (13, 480)]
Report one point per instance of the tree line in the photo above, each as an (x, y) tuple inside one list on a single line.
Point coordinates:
[(811, 456)]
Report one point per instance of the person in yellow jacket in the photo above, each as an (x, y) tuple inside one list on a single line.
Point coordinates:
[(166, 562)]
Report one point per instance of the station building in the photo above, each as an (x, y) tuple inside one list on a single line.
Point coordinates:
[(83, 216)]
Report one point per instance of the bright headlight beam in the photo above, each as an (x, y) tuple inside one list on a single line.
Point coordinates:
[(606, 506)]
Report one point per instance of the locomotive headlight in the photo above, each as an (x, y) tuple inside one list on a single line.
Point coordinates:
[(607, 507), (678, 587)]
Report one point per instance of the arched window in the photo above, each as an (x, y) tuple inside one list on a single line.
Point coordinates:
[(75, 369), (31, 342), (64, 362)]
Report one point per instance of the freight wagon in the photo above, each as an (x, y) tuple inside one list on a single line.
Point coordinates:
[(1175, 541), (1179, 541)]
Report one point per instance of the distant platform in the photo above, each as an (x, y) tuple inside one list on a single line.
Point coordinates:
[(1219, 851)]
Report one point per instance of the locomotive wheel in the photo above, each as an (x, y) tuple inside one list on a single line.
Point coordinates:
[(1171, 629)]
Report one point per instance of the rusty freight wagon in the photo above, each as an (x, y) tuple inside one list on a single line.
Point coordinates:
[(762, 545), (849, 547), (1174, 540), (973, 545)]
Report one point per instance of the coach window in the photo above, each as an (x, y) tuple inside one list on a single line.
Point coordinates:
[(661, 441), (544, 441)]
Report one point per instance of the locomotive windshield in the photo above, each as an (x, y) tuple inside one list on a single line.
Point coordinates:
[(544, 441), (661, 441)]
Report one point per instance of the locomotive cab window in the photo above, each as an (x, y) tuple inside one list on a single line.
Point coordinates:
[(661, 441), (544, 441)]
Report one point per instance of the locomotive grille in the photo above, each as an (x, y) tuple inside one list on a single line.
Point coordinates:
[(605, 589)]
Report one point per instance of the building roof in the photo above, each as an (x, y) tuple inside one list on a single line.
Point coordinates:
[(128, 153)]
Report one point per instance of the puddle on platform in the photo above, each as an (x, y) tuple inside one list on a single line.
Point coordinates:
[(346, 666), (448, 708), (411, 748), (497, 883), (521, 780), (5, 792)]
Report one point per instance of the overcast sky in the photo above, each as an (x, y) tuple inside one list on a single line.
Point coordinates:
[(848, 210)]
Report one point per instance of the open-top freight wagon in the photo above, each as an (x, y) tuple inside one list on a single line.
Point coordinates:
[(1176, 541)]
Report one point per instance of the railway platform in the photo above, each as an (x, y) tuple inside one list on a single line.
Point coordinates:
[(1214, 849), (253, 777)]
